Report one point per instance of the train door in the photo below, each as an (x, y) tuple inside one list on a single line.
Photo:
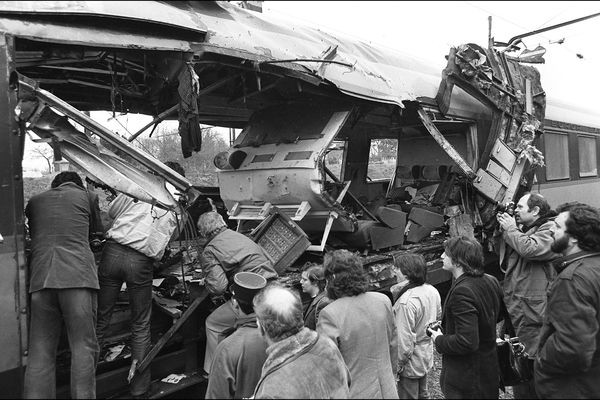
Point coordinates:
[(13, 292)]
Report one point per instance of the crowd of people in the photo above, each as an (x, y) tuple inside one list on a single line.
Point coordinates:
[(343, 341)]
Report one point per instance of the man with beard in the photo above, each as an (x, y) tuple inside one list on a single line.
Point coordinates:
[(525, 257), (568, 360)]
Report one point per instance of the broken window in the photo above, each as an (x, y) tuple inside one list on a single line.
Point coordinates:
[(557, 156), (382, 159), (334, 158)]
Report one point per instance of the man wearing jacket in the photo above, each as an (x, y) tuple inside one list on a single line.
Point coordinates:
[(301, 363), (226, 253), (63, 287), (525, 257), (568, 360), (239, 358)]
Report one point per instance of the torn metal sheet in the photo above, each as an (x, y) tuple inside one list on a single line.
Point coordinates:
[(102, 166), (445, 144), (375, 74)]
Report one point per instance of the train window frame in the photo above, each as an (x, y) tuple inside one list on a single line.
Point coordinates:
[(376, 165), (584, 171), (564, 167)]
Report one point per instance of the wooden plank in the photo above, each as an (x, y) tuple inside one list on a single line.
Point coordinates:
[(165, 338)]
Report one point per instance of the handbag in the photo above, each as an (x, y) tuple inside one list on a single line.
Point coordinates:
[(514, 363)]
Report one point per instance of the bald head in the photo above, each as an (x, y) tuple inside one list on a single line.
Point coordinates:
[(279, 311)]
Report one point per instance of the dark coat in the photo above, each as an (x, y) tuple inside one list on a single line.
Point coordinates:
[(59, 225), (237, 363), (364, 329), (568, 361), (468, 345), (311, 314)]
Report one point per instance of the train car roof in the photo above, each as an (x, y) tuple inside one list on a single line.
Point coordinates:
[(356, 68)]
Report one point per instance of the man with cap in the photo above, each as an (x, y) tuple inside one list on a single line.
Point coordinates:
[(226, 253), (239, 358)]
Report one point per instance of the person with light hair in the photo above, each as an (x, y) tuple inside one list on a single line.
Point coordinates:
[(226, 253), (301, 363)]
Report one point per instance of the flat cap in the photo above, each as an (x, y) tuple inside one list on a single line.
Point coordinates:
[(246, 285)]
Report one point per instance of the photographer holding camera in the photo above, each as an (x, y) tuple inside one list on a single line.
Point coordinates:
[(523, 243)]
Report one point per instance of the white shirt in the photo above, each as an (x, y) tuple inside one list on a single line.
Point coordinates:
[(141, 226), (416, 308)]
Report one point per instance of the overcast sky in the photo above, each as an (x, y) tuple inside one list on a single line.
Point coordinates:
[(427, 30)]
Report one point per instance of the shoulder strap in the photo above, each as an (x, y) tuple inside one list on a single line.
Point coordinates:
[(405, 289)]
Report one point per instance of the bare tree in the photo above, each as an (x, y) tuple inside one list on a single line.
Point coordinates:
[(45, 152)]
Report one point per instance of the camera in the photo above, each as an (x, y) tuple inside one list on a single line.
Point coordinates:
[(508, 208), (433, 326)]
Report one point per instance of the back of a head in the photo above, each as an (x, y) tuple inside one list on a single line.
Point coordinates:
[(66, 176), (210, 222), (279, 311), (413, 266), (466, 253), (345, 274)]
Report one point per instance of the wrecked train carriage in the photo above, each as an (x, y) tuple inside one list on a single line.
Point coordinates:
[(461, 142), (299, 104), (314, 97)]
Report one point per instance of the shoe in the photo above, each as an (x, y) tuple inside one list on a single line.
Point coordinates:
[(205, 374)]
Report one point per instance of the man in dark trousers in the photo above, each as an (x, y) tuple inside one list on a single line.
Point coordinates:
[(568, 360), (239, 358), (136, 239), (63, 287)]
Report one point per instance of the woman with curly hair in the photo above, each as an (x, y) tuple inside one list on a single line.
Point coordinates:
[(361, 323), (471, 311), (313, 284)]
